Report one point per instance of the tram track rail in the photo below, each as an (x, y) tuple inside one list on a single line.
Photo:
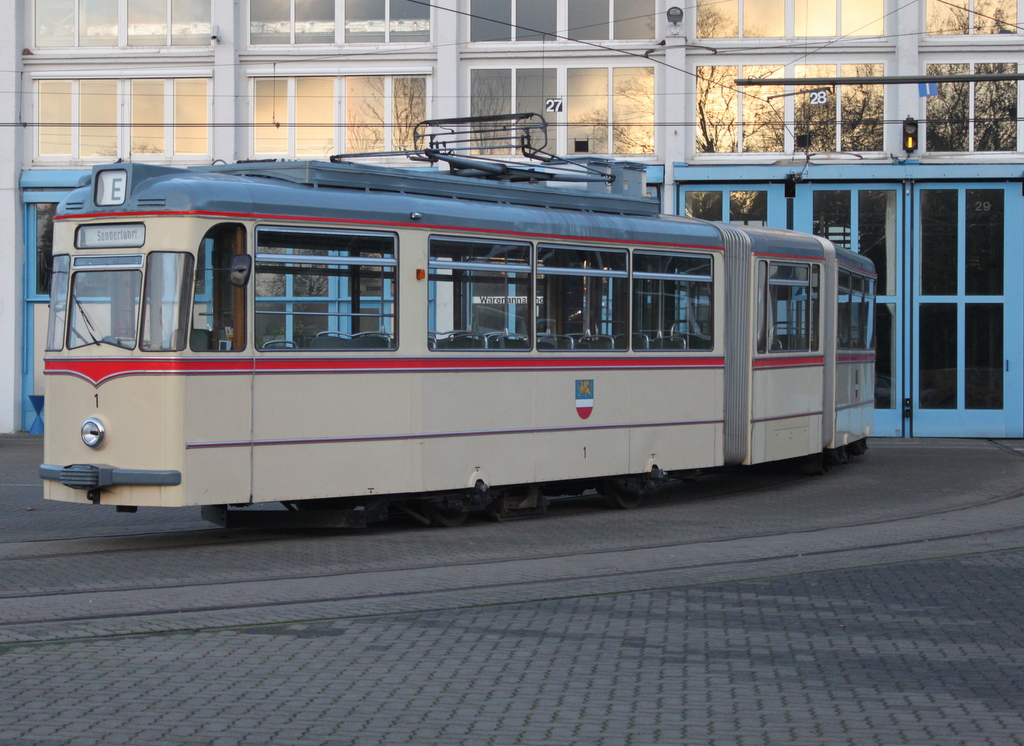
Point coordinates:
[(277, 536), (503, 585)]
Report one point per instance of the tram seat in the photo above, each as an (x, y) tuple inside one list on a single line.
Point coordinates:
[(201, 340), (371, 341), (276, 344), (641, 341), (328, 341), (669, 343), (554, 342), (501, 341), (596, 342), (466, 341)]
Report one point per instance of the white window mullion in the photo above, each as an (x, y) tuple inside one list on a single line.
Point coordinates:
[(292, 88), (75, 117), (609, 128), (122, 24), (169, 117)]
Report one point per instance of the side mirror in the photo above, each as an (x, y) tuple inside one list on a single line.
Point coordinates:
[(241, 268)]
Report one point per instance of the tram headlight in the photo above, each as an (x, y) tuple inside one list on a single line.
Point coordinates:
[(93, 432)]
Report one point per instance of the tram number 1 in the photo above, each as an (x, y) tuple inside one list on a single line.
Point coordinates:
[(97, 397)]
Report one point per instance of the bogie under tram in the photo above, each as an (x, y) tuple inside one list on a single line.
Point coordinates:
[(361, 340)]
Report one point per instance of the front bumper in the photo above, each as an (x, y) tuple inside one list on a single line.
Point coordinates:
[(97, 476)]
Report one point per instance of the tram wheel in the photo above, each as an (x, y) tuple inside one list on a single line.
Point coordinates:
[(444, 517), (620, 496)]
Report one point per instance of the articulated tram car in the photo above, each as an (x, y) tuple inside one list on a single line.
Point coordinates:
[(368, 339)]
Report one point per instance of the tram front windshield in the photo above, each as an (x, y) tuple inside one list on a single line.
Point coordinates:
[(105, 308), (108, 305)]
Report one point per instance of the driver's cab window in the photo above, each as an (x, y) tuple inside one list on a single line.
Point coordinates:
[(218, 310)]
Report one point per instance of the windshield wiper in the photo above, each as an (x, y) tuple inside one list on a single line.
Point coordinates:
[(88, 323)]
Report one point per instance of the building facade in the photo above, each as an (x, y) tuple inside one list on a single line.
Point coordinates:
[(187, 82)]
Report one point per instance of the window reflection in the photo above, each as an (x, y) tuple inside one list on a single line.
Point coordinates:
[(587, 108), (984, 241), (971, 16), (97, 23), (704, 205), (885, 353), (269, 22), (364, 114), (717, 109), (763, 18), (862, 107), (191, 116), (816, 118), (588, 19), (54, 109), (763, 127), (270, 107), (748, 208), (876, 234), (55, 23), (937, 363), (364, 21), (147, 22), (148, 116), (994, 128), (97, 106), (767, 18), (314, 110), (983, 356), (939, 241), (314, 21)]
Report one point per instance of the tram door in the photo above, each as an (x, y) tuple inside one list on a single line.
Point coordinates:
[(965, 361)]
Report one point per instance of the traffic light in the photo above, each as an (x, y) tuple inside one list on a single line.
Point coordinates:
[(910, 134)]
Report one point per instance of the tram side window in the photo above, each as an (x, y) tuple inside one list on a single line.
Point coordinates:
[(788, 315), (582, 299), (672, 307), (478, 295), (218, 307), (165, 301), (855, 322), (324, 290), (58, 302)]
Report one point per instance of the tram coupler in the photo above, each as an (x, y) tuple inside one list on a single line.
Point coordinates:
[(358, 517)]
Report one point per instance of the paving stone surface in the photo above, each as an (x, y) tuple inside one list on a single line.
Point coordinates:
[(777, 613)]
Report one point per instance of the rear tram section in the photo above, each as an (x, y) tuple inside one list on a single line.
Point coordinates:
[(367, 340)]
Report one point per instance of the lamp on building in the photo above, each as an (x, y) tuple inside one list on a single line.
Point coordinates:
[(675, 19), (910, 134)]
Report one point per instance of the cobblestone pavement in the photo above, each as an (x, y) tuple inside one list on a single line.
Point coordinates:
[(879, 605)]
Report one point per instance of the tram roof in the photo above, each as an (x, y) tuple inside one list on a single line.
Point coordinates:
[(390, 197)]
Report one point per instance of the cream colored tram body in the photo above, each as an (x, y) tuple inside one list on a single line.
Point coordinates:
[(370, 339)]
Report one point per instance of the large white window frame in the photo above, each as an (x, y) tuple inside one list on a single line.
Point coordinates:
[(789, 19), (519, 20), (79, 120), (795, 113), (558, 107), (180, 28), (391, 26), (284, 113)]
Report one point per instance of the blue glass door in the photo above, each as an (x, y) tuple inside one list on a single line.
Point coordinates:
[(965, 361), (868, 219)]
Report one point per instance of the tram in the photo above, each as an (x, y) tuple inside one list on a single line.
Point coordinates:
[(364, 340)]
